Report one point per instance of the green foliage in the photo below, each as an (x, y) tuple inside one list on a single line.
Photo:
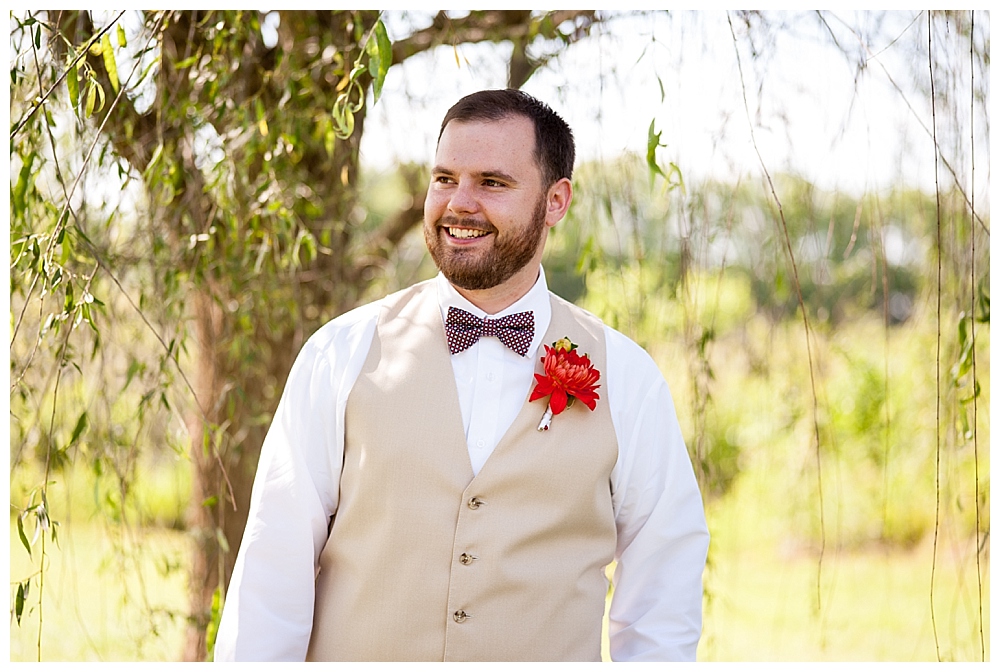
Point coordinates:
[(213, 624), (22, 592), (108, 54), (672, 177), (379, 51)]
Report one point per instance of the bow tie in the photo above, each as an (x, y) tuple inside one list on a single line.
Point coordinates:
[(464, 329)]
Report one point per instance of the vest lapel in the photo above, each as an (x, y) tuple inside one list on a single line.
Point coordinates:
[(419, 324)]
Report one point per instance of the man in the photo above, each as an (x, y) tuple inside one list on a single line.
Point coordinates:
[(383, 529)]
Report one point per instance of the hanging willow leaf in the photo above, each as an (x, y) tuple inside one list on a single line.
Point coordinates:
[(212, 630), (81, 425), (675, 171), (373, 67), (100, 96), (348, 127), (109, 61), (187, 62), (19, 602), (343, 115), (22, 535), (66, 247), (121, 37), (652, 144), (384, 45), (91, 98), (379, 58), (21, 188), (73, 85)]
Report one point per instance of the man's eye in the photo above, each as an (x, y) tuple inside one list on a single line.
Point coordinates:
[(492, 183), (443, 179)]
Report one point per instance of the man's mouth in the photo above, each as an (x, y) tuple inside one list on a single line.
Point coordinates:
[(461, 233)]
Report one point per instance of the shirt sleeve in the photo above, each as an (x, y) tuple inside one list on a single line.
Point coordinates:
[(662, 534), (268, 611)]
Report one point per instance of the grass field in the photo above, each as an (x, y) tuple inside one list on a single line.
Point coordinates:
[(772, 600), (108, 596), (761, 600)]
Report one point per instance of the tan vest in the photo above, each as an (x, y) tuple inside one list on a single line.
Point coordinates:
[(427, 562)]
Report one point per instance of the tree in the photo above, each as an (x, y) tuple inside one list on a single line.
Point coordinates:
[(245, 158)]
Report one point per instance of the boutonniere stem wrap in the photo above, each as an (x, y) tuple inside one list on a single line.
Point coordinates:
[(568, 376)]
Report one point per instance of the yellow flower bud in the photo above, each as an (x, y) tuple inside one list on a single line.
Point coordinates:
[(563, 345)]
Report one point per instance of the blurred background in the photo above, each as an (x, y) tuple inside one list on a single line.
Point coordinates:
[(788, 210)]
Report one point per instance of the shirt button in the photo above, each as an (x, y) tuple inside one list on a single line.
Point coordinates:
[(475, 503), (460, 616), (467, 559), (480, 443), (490, 376)]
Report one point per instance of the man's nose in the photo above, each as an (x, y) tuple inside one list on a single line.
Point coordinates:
[(463, 199)]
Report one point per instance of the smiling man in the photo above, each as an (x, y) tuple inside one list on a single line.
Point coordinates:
[(437, 485)]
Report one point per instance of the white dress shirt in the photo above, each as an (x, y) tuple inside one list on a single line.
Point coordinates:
[(662, 535)]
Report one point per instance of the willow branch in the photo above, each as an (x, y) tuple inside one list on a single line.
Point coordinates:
[(802, 306)]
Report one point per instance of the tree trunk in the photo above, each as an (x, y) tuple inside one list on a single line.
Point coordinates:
[(225, 446)]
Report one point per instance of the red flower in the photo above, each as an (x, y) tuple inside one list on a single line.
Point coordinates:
[(568, 376)]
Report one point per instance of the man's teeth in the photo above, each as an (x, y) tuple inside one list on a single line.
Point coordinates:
[(465, 233)]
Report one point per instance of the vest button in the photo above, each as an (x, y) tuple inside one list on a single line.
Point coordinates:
[(467, 559), (460, 616), (475, 503)]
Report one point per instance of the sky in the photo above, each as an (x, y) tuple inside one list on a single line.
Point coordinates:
[(810, 114), (854, 122)]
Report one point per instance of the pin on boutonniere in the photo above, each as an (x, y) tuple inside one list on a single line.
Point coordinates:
[(568, 376)]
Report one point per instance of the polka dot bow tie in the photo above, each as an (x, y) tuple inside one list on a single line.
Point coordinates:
[(464, 329)]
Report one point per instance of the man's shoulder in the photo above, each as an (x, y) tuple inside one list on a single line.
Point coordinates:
[(615, 339), (573, 308), (636, 385), (623, 353), (341, 327), (590, 322), (628, 351)]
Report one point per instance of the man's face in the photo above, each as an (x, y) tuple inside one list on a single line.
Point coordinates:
[(485, 212)]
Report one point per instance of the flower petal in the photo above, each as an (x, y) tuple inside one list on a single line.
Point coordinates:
[(588, 398), (558, 401), (542, 389)]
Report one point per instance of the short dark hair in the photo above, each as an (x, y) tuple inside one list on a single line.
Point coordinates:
[(554, 146)]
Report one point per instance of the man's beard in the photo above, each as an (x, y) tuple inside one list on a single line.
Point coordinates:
[(475, 269)]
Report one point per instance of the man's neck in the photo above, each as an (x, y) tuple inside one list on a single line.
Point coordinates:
[(495, 299)]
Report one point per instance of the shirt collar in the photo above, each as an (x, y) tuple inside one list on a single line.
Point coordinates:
[(536, 300)]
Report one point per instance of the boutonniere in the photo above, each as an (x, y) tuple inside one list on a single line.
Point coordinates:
[(568, 376)]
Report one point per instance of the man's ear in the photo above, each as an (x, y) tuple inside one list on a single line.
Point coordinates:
[(557, 201)]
